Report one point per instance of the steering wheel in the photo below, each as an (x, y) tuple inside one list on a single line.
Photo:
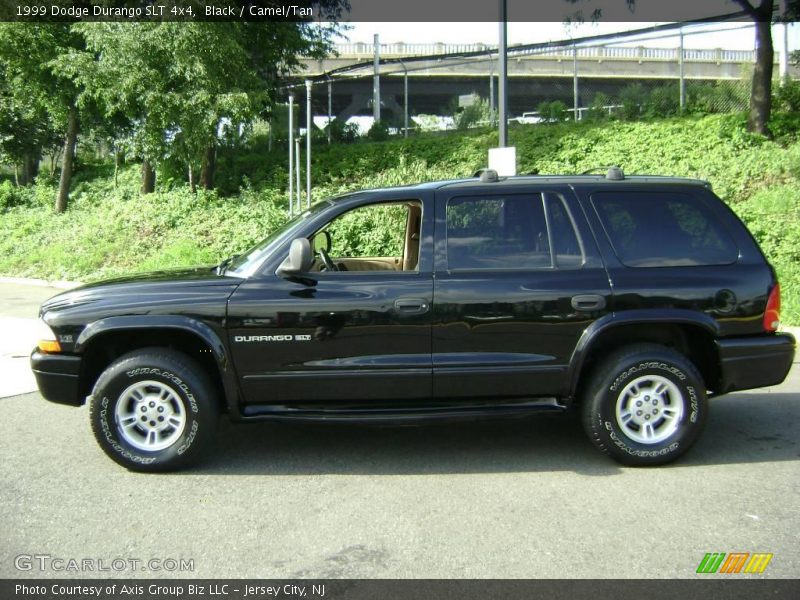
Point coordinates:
[(327, 263)]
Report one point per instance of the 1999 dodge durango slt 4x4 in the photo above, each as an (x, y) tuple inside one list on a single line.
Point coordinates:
[(630, 298)]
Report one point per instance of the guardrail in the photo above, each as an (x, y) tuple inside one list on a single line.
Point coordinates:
[(638, 53)]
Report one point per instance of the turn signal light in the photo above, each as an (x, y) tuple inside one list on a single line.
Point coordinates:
[(772, 315), (49, 346)]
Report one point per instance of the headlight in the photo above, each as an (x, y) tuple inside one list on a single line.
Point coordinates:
[(48, 342)]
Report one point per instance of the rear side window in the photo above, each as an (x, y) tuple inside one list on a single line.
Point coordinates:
[(511, 233), (663, 229)]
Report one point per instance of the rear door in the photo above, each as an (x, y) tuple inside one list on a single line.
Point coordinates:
[(517, 279)]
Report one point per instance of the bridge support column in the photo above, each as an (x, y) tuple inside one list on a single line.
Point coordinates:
[(357, 102)]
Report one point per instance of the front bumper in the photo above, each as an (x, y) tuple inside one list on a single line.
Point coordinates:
[(754, 362), (57, 377)]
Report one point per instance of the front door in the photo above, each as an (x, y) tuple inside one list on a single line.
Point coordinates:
[(356, 328)]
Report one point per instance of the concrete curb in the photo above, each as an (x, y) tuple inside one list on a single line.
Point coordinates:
[(63, 285)]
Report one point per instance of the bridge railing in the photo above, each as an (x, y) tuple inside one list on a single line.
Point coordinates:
[(715, 55)]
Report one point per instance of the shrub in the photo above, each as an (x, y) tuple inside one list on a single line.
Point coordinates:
[(343, 132), (787, 96), (12, 195), (379, 131), (477, 113), (598, 110), (553, 112)]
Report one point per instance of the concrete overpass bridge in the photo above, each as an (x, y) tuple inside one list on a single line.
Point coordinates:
[(438, 75)]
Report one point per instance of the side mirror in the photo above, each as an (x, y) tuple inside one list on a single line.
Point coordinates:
[(299, 260), (325, 237)]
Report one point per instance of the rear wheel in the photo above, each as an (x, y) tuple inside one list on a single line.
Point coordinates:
[(644, 405), (154, 410)]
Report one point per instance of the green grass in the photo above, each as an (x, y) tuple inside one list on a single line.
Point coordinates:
[(112, 230)]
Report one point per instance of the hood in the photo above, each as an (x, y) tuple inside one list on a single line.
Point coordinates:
[(180, 291)]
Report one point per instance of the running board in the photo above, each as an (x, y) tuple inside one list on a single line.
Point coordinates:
[(397, 414)]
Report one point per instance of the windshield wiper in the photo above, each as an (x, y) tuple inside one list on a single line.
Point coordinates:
[(223, 266)]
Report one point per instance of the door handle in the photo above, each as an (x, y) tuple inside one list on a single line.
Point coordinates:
[(588, 302), (411, 306)]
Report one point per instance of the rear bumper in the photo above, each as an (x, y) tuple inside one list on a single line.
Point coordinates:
[(754, 362), (57, 377)]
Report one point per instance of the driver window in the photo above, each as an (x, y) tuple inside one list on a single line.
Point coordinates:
[(375, 237)]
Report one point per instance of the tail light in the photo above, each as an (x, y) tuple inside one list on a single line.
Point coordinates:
[(772, 315)]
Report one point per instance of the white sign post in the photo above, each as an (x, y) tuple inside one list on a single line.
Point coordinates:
[(503, 160)]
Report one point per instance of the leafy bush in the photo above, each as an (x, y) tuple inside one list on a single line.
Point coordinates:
[(553, 112), (631, 97), (598, 110), (344, 132), (787, 96), (379, 131), (477, 113), (12, 195), (663, 101), (717, 97)]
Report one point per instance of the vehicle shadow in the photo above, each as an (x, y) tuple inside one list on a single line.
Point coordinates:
[(742, 428)]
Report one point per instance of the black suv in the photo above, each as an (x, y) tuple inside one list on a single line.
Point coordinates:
[(631, 298)]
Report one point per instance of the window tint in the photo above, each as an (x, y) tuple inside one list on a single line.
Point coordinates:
[(566, 245), (663, 229), (497, 233)]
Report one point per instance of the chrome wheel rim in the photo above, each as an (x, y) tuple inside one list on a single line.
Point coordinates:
[(649, 409), (150, 416)]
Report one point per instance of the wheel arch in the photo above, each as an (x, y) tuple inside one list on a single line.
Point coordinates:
[(688, 332), (103, 341)]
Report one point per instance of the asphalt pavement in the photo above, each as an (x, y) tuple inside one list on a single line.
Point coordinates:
[(508, 499)]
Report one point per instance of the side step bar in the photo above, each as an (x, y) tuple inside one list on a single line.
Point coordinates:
[(397, 414)]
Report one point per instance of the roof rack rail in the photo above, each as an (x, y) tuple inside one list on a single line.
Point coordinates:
[(486, 175), (613, 172)]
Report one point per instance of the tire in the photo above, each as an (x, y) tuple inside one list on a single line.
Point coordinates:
[(154, 410), (644, 405)]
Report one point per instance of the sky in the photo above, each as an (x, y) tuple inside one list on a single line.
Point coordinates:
[(736, 38)]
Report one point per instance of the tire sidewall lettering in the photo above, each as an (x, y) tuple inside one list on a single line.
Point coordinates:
[(170, 377), (657, 365), (109, 432)]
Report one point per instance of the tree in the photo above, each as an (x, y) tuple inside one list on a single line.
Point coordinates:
[(25, 130), (34, 60), (180, 82), (761, 13), (761, 90)]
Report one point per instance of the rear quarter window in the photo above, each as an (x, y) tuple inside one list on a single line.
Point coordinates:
[(663, 229)]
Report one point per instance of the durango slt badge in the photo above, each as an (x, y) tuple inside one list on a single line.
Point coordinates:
[(272, 338)]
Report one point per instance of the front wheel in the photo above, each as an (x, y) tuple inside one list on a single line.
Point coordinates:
[(644, 405), (153, 410)]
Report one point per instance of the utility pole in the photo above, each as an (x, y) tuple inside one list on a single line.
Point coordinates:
[(330, 107), (376, 82), (405, 100), (502, 60), (291, 154), (783, 67), (308, 143), (297, 175), (492, 107), (680, 69), (575, 81)]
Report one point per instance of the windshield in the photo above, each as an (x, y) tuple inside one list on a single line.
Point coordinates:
[(246, 263)]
